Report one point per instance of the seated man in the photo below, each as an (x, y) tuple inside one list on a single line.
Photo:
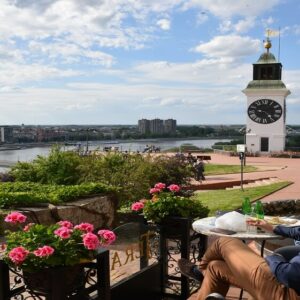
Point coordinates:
[(228, 261)]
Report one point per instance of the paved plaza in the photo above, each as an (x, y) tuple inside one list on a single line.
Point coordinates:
[(283, 168)]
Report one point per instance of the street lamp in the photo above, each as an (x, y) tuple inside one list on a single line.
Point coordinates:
[(244, 131)]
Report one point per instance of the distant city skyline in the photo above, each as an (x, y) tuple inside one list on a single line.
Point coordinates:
[(115, 62)]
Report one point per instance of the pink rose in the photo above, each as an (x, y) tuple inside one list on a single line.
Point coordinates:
[(15, 217), (154, 190), (90, 241), (107, 237), (63, 232), (160, 186), (28, 226), (174, 188), (137, 206), (18, 255), (67, 224), (86, 227), (44, 251)]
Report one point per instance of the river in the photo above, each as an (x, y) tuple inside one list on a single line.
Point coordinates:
[(11, 156)]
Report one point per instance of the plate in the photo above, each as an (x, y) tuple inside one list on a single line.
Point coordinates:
[(276, 220)]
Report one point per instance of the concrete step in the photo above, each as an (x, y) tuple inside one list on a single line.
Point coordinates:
[(256, 183)]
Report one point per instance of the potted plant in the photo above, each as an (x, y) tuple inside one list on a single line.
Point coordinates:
[(41, 250), (169, 201)]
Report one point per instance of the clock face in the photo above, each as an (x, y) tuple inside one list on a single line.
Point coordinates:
[(264, 111)]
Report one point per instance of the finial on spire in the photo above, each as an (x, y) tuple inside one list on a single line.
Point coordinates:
[(267, 44)]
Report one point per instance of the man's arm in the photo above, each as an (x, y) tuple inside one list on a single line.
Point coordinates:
[(291, 232)]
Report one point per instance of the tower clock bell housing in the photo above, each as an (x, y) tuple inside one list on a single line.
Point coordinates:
[(266, 105)]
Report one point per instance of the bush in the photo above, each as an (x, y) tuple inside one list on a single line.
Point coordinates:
[(131, 173), (58, 168), (31, 194)]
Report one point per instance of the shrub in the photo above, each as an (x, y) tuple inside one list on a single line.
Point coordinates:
[(131, 173), (58, 168), (31, 194)]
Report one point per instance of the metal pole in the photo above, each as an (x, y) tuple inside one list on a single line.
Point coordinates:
[(245, 140), (242, 158)]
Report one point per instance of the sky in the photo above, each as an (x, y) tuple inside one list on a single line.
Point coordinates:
[(118, 61)]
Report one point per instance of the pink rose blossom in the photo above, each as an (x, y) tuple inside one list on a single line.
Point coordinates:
[(160, 186), (67, 224), (86, 227), (63, 232), (137, 206), (90, 241), (174, 188), (28, 226), (18, 255), (15, 217), (154, 190), (107, 236), (44, 251)]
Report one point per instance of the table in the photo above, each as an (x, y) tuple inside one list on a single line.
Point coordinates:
[(204, 225)]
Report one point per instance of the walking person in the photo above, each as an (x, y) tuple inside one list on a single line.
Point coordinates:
[(199, 169), (228, 261)]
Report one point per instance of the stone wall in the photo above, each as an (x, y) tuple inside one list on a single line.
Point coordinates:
[(282, 207), (100, 210)]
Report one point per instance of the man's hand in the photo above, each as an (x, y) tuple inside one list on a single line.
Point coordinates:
[(261, 224)]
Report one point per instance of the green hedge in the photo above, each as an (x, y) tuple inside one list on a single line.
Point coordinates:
[(13, 194)]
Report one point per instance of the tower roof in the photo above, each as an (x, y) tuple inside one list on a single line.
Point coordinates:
[(267, 58)]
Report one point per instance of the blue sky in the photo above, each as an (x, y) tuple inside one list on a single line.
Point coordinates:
[(117, 61)]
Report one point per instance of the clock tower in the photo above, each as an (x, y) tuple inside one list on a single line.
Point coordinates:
[(266, 107)]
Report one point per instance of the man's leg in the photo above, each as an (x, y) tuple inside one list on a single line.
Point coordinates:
[(288, 252), (216, 279), (245, 269)]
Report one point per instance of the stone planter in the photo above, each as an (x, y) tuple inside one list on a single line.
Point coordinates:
[(100, 210)]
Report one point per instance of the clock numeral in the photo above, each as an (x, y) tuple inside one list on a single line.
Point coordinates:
[(257, 120), (276, 116), (276, 106), (252, 111), (258, 103), (264, 121), (265, 101), (278, 111)]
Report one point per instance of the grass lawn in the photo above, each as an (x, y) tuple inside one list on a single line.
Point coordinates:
[(232, 199), (212, 169)]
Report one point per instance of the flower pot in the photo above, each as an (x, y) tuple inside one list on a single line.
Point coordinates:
[(59, 280), (173, 226)]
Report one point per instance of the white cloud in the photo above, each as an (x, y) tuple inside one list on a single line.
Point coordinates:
[(164, 24), (244, 25), (230, 8), (229, 46)]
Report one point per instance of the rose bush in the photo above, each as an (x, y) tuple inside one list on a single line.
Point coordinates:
[(37, 246), (167, 201)]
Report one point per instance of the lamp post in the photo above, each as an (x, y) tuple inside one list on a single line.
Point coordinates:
[(244, 131)]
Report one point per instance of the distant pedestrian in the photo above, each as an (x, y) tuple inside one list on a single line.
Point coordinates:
[(190, 158), (199, 169)]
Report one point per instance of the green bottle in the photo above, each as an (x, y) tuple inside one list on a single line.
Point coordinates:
[(246, 206), (259, 210)]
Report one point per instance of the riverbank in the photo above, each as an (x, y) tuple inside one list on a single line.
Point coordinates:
[(17, 146)]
